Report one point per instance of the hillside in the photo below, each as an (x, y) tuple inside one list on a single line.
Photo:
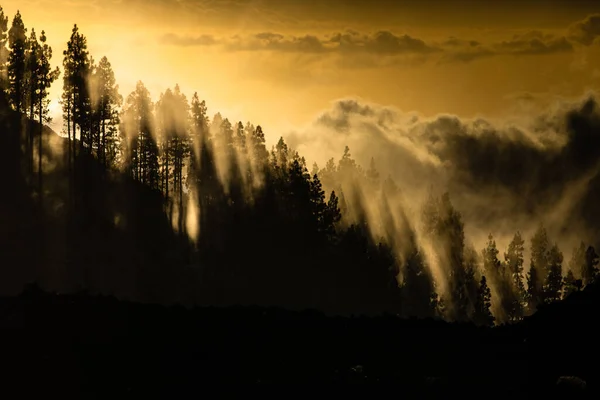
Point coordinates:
[(70, 240)]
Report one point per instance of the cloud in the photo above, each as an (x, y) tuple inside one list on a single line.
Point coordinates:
[(276, 42), (381, 42), (385, 43), (501, 176), (586, 31), (526, 44), (201, 40)]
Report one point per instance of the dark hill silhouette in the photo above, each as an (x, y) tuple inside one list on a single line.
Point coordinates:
[(65, 247), (99, 346), (105, 232)]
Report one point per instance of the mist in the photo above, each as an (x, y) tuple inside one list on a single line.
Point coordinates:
[(502, 176)]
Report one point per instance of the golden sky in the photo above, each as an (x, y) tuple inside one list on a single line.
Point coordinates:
[(279, 63)]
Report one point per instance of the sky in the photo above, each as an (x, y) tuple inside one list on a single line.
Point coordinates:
[(382, 76), (280, 63)]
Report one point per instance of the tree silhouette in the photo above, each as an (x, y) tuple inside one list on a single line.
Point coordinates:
[(373, 174), (577, 261), (174, 124), (3, 50), (76, 99), (470, 280), (491, 263), (17, 42), (451, 231), (539, 267), (534, 289), (141, 157), (106, 104), (554, 279), (483, 315), (514, 259), (590, 272), (45, 76), (570, 284), (30, 86), (418, 291)]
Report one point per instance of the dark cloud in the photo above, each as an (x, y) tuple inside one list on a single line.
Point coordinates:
[(201, 40), (586, 31)]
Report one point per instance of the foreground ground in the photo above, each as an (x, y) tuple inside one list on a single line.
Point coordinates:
[(91, 346)]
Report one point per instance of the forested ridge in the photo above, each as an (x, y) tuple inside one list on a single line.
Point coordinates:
[(154, 201)]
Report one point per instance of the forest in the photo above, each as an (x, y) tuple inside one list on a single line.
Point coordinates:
[(151, 199)]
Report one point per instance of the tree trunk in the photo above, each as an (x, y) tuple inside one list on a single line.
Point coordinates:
[(40, 149), (30, 123), (103, 140), (74, 135), (181, 219), (74, 172), (69, 135), (167, 171), (99, 132)]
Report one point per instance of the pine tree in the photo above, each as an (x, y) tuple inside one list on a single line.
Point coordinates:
[(534, 289), (45, 77), (32, 66), (591, 261), (540, 248), (539, 269), (570, 284), (76, 97), (514, 263), (418, 291), (483, 315), (452, 236), (17, 42), (430, 215), (554, 280), (199, 117), (31, 73), (239, 139), (577, 261), (470, 280), (373, 174), (199, 139), (332, 215), (107, 110), (491, 264), (347, 166), (141, 152), (180, 147), (258, 144), (165, 124), (3, 50)]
